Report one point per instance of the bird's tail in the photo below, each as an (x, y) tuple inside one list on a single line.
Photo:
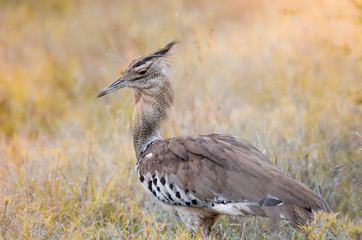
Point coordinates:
[(294, 214)]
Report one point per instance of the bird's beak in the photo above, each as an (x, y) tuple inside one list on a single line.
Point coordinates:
[(119, 83)]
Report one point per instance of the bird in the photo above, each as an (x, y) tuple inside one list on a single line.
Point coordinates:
[(199, 178)]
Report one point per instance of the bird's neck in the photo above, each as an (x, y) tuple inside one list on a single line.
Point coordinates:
[(151, 108)]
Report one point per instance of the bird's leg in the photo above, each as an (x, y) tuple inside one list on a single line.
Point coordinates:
[(198, 223)]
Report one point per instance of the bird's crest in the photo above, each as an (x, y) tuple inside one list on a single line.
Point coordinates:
[(154, 55)]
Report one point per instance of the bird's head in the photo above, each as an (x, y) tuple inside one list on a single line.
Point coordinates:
[(144, 73)]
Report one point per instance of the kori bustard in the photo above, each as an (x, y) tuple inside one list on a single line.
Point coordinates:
[(202, 177)]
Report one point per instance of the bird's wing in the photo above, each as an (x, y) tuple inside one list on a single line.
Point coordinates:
[(209, 169), (242, 144)]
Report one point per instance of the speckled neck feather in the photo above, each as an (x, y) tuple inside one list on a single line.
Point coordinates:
[(151, 108)]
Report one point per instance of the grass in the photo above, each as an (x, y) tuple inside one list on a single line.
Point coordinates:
[(287, 77)]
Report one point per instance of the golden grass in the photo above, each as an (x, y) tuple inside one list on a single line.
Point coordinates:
[(286, 76)]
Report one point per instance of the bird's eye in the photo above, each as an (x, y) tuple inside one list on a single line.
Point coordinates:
[(142, 71)]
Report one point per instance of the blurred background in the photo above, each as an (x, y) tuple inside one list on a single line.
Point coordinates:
[(286, 75)]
